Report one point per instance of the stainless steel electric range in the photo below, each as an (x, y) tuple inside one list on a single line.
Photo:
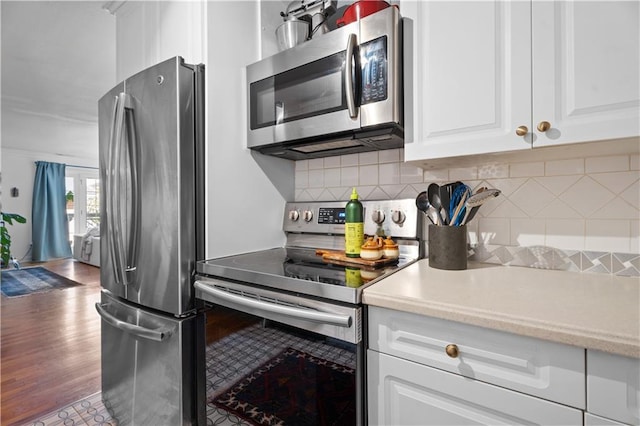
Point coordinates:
[(272, 305)]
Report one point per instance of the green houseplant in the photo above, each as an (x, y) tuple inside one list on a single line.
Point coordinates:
[(8, 218)]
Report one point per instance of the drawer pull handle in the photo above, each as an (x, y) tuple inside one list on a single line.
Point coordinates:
[(452, 350)]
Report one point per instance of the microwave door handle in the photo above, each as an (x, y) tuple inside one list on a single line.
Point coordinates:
[(352, 42)]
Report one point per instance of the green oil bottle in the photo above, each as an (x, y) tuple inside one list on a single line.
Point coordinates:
[(353, 226)]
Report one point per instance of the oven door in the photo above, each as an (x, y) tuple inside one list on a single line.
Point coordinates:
[(282, 357)]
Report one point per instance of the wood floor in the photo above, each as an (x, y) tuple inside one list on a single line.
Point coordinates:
[(50, 348)]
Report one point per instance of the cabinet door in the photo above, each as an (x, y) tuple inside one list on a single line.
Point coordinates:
[(585, 70), (613, 386), (472, 78), (402, 392)]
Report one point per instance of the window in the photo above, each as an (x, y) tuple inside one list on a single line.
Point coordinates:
[(83, 200)]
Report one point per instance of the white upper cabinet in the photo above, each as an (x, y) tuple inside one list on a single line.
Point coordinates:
[(472, 77), (486, 74), (586, 70)]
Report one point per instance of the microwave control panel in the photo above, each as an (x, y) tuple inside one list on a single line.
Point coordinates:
[(373, 60)]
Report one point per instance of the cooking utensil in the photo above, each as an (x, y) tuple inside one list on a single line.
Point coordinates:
[(478, 199), (475, 209), (459, 193), (461, 206), (452, 188), (359, 10), (433, 192), (445, 199), (422, 202)]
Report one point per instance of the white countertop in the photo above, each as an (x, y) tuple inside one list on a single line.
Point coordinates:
[(594, 311)]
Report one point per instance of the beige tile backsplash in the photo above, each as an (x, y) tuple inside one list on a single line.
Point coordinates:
[(575, 205)]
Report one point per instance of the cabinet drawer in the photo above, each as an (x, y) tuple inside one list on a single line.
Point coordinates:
[(546, 369), (402, 392), (613, 386)]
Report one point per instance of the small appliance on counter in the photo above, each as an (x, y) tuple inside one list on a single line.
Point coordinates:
[(341, 93)]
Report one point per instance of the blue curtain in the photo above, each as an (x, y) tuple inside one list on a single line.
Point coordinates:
[(50, 229)]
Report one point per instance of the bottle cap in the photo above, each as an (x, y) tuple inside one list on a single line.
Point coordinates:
[(354, 194)]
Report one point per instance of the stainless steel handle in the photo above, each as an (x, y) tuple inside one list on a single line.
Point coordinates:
[(124, 256), (111, 188), (158, 335), (299, 313), (352, 42), (134, 223)]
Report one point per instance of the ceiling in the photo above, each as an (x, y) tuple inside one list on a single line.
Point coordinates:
[(58, 59)]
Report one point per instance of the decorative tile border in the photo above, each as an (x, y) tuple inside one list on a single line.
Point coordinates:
[(543, 257)]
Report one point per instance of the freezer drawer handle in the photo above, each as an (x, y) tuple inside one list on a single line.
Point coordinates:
[(299, 313), (158, 335)]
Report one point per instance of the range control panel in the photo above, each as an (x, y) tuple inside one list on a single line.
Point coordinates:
[(395, 218)]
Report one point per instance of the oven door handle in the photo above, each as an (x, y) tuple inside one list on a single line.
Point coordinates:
[(298, 313)]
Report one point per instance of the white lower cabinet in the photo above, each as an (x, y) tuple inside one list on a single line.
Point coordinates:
[(402, 392), (428, 371), (613, 387), (592, 420)]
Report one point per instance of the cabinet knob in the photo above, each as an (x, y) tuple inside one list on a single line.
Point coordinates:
[(452, 350), (543, 126), (522, 130)]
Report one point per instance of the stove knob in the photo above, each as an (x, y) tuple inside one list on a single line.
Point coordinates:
[(377, 216), (398, 217), (307, 215), (294, 215)]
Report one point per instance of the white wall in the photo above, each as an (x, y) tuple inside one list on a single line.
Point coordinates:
[(148, 32), (246, 191)]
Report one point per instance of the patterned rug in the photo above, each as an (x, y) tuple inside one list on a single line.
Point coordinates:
[(228, 361), (20, 282), (293, 388)]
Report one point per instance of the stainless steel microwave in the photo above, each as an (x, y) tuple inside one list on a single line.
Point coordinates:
[(339, 93)]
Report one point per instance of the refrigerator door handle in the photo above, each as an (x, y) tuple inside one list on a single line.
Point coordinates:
[(157, 335), (111, 189), (131, 256), (124, 257)]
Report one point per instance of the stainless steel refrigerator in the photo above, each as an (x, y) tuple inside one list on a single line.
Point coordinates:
[(151, 234)]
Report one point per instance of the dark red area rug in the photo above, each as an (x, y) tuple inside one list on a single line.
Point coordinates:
[(294, 388)]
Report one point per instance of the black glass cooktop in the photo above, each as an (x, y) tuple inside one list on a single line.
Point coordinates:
[(298, 270)]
